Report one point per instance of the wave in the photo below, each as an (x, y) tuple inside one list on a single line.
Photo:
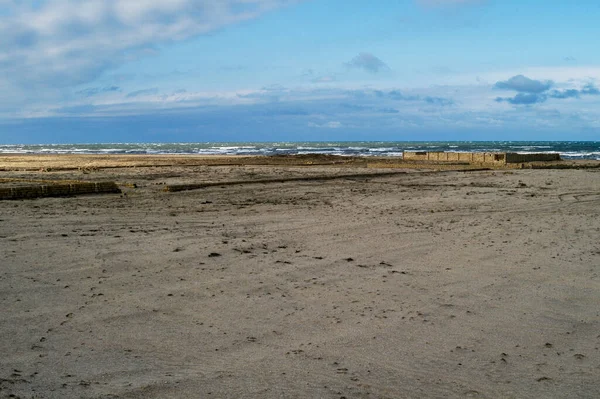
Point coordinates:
[(567, 150)]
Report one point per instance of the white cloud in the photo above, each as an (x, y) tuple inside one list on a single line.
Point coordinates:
[(327, 125), (58, 43), (333, 125)]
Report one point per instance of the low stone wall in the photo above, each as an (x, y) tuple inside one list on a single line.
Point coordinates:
[(57, 190), (498, 158), (469, 157)]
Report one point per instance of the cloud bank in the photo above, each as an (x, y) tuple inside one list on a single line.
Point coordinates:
[(531, 91)]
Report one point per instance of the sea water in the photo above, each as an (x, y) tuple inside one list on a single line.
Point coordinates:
[(566, 149)]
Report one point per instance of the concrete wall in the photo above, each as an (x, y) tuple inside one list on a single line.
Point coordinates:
[(57, 190), (498, 158), (468, 157)]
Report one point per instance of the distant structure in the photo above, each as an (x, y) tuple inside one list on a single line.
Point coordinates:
[(498, 158)]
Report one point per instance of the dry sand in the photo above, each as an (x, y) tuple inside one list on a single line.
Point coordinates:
[(410, 285)]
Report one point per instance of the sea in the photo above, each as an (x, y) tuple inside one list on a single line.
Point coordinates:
[(566, 149)]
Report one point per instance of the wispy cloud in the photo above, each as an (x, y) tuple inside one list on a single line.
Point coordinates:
[(60, 43), (94, 91), (144, 92), (326, 125), (397, 95)]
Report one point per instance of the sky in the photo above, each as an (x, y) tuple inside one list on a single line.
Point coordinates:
[(92, 71)]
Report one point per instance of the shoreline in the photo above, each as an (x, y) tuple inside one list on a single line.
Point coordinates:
[(35, 162)]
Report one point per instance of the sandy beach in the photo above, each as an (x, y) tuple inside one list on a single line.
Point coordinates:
[(381, 283)]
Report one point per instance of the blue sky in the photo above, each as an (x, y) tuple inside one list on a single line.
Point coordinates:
[(274, 70)]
